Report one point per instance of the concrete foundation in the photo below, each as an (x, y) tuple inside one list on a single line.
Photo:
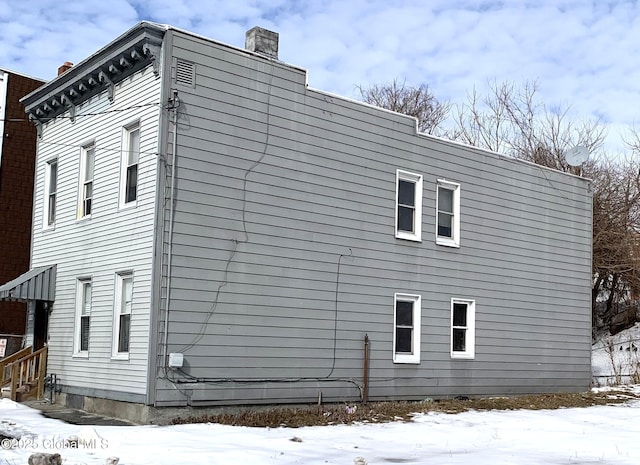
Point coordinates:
[(138, 413)]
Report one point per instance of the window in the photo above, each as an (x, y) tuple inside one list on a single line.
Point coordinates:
[(463, 328), (122, 315), (50, 190), (448, 214), (130, 154), (87, 161), (408, 205), (83, 317), (406, 330)]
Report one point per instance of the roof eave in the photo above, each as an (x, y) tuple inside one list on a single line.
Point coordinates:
[(133, 50)]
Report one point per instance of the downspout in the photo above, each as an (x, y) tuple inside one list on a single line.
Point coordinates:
[(176, 104)]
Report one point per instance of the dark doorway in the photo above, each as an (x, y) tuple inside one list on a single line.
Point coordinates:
[(40, 324)]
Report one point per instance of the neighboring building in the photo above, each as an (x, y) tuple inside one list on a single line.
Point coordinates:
[(17, 163), (286, 225)]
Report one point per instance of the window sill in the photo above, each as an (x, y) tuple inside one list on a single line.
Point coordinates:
[(447, 242), (462, 356), (406, 359), (128, 206), (408, 237), (120, 357), (81, 355)]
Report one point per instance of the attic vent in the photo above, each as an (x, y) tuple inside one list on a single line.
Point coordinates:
[(185, 73)]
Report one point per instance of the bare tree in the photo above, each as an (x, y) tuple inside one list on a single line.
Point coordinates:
[(510, 120), (616, 239), (418, 102)]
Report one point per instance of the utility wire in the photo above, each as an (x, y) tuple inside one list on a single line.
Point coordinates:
[(79, 115), (237, 242), (96, 147)]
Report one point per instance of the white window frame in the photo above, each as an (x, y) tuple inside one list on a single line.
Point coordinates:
[(414, 356), (470, 329), (121, 308), (453, 241), (49, 194), (125, 163), (86, 179), (82, 312), (416, 234)]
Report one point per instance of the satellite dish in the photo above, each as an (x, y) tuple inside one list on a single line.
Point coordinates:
[(577, 155)]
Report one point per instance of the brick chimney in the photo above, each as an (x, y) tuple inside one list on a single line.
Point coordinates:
[(65, 67), (262, 41)]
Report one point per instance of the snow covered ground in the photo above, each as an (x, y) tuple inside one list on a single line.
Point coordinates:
[(616, 359), (594, 435)]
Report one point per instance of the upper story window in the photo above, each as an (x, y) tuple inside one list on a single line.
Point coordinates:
[(448, 214), (87, 161), (130, 155), (50, 191), (406, 329), (408, 205), (463, 315)]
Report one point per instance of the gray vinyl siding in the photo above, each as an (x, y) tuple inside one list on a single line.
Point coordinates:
[(280, 186), (113, 240)]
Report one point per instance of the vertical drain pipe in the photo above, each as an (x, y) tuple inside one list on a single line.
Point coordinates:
[(365, 375)]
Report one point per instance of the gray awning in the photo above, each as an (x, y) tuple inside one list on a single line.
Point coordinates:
[(36, 284)]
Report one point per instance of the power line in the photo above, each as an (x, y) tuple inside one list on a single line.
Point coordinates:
[(96, 147), (80, 115)]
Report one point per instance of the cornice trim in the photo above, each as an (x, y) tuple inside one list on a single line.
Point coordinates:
[(133, 51)]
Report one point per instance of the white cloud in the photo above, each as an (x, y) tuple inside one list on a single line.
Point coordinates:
[(582, 53)]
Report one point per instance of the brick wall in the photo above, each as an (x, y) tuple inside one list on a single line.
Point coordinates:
[(16, 197)]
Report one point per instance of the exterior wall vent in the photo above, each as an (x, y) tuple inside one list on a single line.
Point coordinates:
[(185, 73)]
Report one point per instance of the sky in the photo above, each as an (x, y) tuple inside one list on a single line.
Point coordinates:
[(582, 53)]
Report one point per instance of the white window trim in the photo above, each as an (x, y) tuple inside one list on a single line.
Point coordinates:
[(470, 338), (80, 282), (81, 180), (47, 194), (416, 235), (417, 313), (124, 165), (455, 240), (117, 311)]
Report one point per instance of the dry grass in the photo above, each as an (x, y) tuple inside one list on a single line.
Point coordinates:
[(379, 412)]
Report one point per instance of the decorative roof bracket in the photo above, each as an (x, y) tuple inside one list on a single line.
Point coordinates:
[(72, 108), (102, 77), (153, 53), (37, 123)]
